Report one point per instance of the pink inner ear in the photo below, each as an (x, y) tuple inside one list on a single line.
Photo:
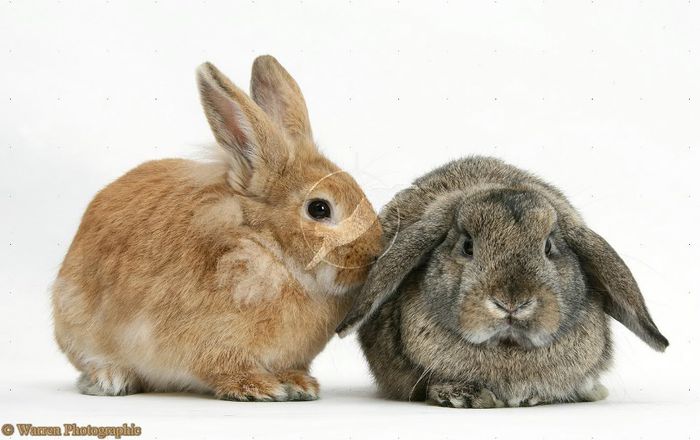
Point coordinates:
[(232, 118)]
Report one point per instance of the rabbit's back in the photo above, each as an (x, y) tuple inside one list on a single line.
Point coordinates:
[(138, 229)]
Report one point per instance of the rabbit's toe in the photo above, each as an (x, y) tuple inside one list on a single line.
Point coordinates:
[(534, 401), (463, 396), (524, 402), (251, 387), (299, 385), (109, 381)]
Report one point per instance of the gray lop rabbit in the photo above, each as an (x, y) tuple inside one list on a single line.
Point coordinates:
[(493, 292)]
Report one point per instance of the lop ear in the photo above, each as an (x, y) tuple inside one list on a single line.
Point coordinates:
[(276, 92), (405, 252), (607, 272), (240, 127)]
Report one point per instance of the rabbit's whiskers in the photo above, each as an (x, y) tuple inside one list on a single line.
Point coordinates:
[(421, 377)]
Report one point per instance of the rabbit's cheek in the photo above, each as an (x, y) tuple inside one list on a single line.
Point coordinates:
[(547, 318), (351, 276), (354, 259), (358, 254), (476, 323)]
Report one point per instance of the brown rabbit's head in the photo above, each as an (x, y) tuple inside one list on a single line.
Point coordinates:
[(316, 211)]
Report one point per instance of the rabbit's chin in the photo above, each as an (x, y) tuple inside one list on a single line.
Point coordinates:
[(509, 336)]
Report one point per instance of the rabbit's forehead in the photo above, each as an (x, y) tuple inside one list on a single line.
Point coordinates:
[(339, 187), (319, 178), (502, 209)]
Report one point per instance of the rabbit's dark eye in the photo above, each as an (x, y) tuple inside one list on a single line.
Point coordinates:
[(319, 209), (468, 246), (548, 247)]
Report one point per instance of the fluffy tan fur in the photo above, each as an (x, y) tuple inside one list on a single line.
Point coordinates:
[(188, 275)]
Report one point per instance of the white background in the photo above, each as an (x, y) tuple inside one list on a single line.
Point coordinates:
[(599, 97)]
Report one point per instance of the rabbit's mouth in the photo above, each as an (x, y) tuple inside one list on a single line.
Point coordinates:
[(508, 323), (511, 342), (510, 335)]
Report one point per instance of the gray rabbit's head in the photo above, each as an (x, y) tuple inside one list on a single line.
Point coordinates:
[(506, 260), (504, 273)]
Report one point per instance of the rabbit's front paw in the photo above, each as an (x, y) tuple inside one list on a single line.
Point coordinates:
[(299, 385), (250, 387), (463, 395)]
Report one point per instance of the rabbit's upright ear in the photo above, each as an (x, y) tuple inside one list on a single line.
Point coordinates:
[(276, 92), (607, 272), (252, 142), (405, 252)]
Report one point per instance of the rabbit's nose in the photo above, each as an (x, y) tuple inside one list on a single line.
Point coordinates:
[(520, 309)]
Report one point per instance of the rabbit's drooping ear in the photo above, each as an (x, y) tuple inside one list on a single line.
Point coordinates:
[(276, 92), (240, 127), (607, 272), (404, 253)]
